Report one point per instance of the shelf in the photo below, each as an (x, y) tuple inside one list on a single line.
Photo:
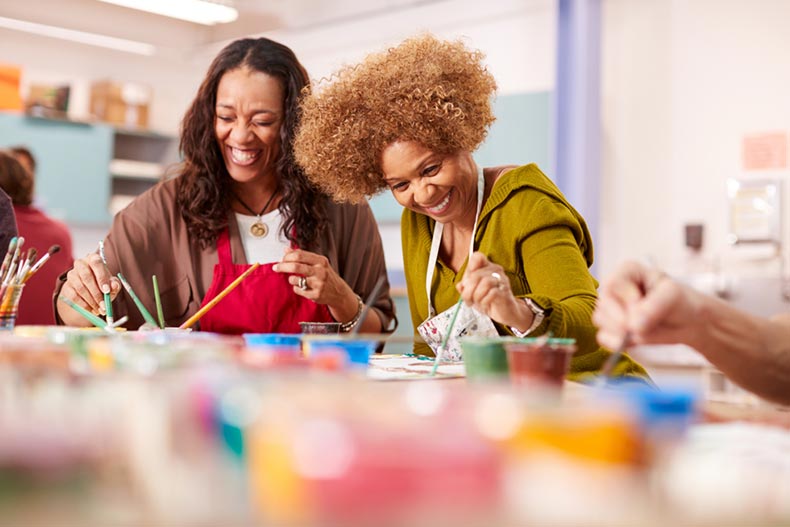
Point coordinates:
[(118, 202), (141, 132), (128, 168)]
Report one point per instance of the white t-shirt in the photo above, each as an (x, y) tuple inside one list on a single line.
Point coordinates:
[(268, 249)]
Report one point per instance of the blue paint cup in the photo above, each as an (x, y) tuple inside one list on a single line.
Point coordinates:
[(273, 349), (273, 341), (355, 352)]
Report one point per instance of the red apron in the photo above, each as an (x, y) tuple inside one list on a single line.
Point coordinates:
[(264, 302)]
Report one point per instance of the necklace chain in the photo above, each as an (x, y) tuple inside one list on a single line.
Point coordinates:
[(249, 209), (258, 229)]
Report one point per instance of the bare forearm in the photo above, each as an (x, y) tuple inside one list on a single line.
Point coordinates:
[(752, 351)]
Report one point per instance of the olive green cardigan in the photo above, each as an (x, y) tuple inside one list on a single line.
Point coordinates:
[(529, 228)]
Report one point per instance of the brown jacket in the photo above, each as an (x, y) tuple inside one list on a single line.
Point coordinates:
[(150, 237)]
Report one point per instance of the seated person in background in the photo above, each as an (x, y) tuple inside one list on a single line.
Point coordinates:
[(239, 199), (502, 238), (40, 232), (639, 305), (25, 158), (7, 222)]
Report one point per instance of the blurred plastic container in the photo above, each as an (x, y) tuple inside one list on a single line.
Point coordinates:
[(539, 362), (278, 341), (273, 349), (484, 358), (353, 353), (355, 453)]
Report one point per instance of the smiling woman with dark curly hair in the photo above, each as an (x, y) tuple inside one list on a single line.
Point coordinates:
[(503, 238), (240, 206)]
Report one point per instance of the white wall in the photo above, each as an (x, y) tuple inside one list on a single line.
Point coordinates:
[(683, 82), (517, 36), (51, 61)]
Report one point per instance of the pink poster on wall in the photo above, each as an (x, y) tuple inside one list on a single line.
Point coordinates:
[(765, 151)]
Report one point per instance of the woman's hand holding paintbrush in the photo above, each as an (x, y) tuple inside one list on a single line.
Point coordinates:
[(485, 287), (85, 285)]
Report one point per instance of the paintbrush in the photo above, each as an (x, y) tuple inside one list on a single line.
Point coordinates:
[(8, 254), (107, 297), (36, 266), (12, 266), (374, 294), (24, 266), (205, 309), (158, 300), (611, 361), (90, 317), (446, 338), (143, 311)]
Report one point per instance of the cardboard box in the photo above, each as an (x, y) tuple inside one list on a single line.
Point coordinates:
[(47, 100), (9, 87), (125, 104)]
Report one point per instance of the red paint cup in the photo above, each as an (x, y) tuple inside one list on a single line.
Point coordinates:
[(539, 362)]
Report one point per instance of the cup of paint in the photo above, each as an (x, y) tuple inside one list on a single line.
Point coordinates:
[(320, 328), (484, 358), (273, 349), (539, 362), (342, 352)]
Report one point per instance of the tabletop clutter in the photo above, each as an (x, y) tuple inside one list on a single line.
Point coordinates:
[(172, 427)]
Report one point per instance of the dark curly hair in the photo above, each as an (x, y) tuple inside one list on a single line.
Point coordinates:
[(204, 186), (434, 92), (15, 179)]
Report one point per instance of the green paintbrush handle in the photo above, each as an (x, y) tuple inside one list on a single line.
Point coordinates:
[(146, 315), (90, 317)]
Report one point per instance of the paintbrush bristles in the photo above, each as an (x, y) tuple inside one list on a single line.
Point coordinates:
[(52, 250), (8, 255)]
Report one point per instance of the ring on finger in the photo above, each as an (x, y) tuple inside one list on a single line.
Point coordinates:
[(498, 277), (303, 283)]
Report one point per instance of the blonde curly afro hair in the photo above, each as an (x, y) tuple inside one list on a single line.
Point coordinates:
[(437, 93)]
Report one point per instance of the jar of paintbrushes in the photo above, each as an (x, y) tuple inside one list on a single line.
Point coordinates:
[(17, 268)]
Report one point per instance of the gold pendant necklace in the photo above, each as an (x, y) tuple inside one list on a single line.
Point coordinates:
[(258, 229)]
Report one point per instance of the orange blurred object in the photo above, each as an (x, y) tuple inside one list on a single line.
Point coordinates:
[(9, 87)]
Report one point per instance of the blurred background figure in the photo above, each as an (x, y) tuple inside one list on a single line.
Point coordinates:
[(25, 158), (17, 179), (7, 222)]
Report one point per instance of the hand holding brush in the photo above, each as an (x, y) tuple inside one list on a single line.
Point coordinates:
[(85, 285)]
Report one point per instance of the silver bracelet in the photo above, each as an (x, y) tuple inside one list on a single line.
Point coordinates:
[(345, 327), (537, 317)]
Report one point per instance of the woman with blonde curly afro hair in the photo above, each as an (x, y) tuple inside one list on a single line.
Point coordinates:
[(503, 239)]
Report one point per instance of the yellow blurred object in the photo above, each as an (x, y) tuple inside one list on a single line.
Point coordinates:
[(276, 489), (32, 331), (100, 355), (9, 87), (604, 436)]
